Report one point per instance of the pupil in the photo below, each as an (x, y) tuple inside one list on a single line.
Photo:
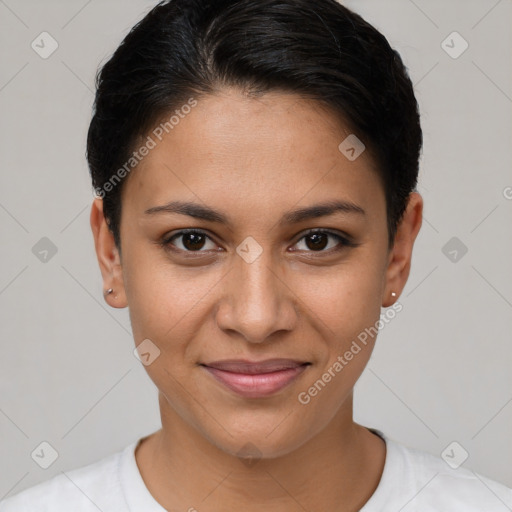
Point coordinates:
[(192, 241), (319, 241)]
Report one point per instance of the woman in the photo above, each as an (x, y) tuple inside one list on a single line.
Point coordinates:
[(255, 166)]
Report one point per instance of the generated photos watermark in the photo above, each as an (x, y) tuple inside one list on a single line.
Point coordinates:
[(304, 397), (151, 142)]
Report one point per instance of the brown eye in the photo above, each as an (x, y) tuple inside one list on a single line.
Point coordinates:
[(319, 240), (191, 241)]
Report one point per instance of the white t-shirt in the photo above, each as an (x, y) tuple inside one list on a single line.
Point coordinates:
[(412, 481)]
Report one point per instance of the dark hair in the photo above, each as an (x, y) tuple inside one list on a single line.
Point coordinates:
[(317, 49)]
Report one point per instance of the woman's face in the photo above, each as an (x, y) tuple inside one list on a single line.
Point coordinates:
[(255, 286)]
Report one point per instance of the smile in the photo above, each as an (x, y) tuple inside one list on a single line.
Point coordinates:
[(256, 379)]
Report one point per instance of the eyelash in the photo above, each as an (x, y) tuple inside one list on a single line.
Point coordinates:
[(343, 241)]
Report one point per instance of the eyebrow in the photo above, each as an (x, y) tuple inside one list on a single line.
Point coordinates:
[(292, 217)]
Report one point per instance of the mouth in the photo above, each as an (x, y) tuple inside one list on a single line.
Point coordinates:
[(256, 379)]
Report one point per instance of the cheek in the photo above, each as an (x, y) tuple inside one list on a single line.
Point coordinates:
[(347, 304), (346, 300), (167, 302)]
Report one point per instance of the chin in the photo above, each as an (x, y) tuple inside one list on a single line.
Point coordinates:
[(260, 435)]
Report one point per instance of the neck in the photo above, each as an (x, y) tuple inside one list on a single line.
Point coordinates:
[(337, 470)]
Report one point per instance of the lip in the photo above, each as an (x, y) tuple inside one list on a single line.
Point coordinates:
[(256, 379)]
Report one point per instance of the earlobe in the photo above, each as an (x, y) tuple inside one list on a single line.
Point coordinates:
[(108, 257), (400, 256)]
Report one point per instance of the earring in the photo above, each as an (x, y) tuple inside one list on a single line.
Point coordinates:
[(393, 294), (108, 292)]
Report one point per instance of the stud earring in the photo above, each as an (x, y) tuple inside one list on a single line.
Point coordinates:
[(108, 292), (393, 294)]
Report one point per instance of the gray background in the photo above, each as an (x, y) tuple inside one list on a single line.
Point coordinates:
[(441, 369)]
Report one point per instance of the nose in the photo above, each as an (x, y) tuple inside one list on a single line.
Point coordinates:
[(257, 301)]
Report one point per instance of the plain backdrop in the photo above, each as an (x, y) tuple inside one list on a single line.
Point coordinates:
[(440, 372)]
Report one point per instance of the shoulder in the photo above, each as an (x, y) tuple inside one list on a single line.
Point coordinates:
[(88, 488), (431, 483)]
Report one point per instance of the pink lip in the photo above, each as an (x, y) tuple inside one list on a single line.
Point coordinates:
[(256, 379)]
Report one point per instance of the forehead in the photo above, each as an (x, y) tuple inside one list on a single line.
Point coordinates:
[(264, 152)]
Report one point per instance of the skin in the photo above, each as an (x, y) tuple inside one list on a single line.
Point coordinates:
[(254, 159)]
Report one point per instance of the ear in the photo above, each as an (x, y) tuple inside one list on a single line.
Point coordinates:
[(108, 257), (400, 255)]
